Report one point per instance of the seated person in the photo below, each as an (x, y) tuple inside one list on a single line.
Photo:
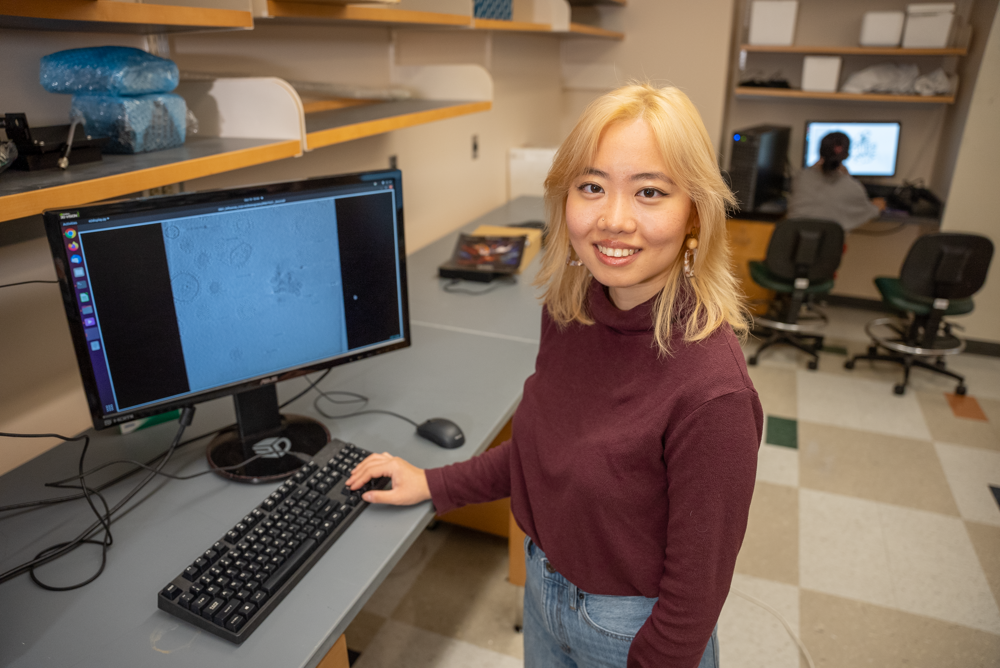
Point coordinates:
[(826, 191)]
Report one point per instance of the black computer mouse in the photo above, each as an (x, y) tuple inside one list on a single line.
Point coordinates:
[(441, 431)]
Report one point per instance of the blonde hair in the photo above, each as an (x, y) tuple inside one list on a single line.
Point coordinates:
[(715, 297)]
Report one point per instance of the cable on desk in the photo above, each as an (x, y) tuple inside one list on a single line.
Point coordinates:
[(450, 286), (103, 520), (11, 285), (355, 399)]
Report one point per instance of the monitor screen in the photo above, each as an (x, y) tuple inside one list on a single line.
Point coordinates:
[(176, 300), (873, 146)]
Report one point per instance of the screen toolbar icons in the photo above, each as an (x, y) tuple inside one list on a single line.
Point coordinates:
[(70, 233)]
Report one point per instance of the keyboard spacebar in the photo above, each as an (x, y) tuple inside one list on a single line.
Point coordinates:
[(279, 576)]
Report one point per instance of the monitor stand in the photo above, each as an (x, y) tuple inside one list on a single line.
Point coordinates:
[(261, 429)]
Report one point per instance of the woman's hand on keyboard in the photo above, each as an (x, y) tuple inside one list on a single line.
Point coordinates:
[(409, 484)]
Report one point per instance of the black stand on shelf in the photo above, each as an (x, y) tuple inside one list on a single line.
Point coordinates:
[(262, 430)]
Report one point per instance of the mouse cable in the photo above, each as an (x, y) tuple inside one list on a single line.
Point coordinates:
[(450, 286), (784, 622), (104, 520), (150, 462), (355, 399), (11, 285)]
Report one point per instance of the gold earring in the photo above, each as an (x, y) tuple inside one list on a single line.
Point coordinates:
[(690, 254)]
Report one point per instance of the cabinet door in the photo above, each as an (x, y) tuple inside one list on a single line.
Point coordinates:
[(748, 240)]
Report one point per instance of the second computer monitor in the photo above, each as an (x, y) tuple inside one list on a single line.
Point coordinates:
[(874, 146)]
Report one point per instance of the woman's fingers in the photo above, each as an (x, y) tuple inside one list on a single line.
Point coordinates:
[(409, 484)]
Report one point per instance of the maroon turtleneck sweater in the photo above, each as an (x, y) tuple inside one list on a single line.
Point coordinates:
[(633, 472)]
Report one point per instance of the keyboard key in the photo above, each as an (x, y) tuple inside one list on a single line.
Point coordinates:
[(228, 610), (243, 594), (199, 603), (258, 598), (211, 555), (235, 623), (185, 600), (170, 592), (286, 569), (196, 588), (213, 608), (247, 609), (191, 573)]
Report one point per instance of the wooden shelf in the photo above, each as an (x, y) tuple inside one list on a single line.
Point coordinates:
[(357, 14), (853, 50), (513, 26), (111, 16), (593, 31), (750, 91), (29, 193), (591, 3), (326, 128)]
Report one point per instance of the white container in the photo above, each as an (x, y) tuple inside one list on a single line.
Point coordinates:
[(882, 28), (772, 22), (821, 74), (928, 25)]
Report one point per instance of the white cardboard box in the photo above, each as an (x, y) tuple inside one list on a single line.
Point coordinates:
[(821, 74), (928, 25), (882, 28), (772, 22)]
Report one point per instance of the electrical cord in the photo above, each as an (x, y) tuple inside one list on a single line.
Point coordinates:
[(355, 398), (450, 286), (11, 285), (784, 622), (103, 520)]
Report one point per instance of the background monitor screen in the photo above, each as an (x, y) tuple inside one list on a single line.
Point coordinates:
[(873, 146), (181, 299)]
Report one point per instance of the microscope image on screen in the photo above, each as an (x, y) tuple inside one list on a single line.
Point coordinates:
[(874, 146)]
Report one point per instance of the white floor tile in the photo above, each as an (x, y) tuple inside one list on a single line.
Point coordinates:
[(842, 548), (750, 636), (398, 645), (935, 570), (858, 403), (778, 465), (970, 472)]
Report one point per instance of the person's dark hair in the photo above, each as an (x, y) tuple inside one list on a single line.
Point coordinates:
[(834, 149)]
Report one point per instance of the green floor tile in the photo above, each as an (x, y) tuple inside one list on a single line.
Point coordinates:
[(782, 431), (836, 350)]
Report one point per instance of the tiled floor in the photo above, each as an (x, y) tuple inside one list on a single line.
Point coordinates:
[(874, 531)]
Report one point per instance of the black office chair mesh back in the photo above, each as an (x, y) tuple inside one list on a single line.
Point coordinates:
[(805, 248), (947, 265)]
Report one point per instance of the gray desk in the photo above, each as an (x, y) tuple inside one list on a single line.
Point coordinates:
[(469, 358)]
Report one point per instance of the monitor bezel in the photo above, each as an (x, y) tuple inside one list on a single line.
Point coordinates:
[(53, 228), (895, 162)]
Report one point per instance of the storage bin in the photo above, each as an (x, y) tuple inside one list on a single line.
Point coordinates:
[(882, 28), (493, 9), (821, 74), (134, 124), (773, 22), (928, 25)]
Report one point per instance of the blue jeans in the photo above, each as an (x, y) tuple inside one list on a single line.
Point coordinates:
[(568, 628)]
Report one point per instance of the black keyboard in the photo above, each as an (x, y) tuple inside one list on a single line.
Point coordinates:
[(237, 582)]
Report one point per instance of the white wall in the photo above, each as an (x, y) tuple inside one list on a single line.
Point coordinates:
[(972, 203)]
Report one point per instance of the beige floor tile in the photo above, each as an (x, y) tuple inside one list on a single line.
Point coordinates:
[(857, 403), (771, 546), (362, 629), (776, 388), (982, 374), (842, 548), (873, 466), (778, 465), (970, 472), (463, 593), (398, 582), (400, 645), (749, 635), (935, 570), (945, 426), (986, 541), (842, 633)]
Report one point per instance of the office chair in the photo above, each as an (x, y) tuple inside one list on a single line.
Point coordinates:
[(940, 274), (802, 256)]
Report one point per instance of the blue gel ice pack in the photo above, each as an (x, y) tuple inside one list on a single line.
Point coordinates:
[(120, 70), (133, 124)]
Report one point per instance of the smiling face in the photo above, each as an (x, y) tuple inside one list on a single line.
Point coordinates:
[(625, 217)]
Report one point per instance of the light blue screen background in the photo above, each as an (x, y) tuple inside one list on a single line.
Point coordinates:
[(873, 146), (256, 290)]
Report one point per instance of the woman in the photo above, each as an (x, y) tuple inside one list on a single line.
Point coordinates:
[(827, 191), (634, 451)]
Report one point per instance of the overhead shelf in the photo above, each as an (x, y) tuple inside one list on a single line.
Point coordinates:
[(357, 14), (591, 3), (853, 50), (593, 31), (112, 16), (29, 193), (512, 26), (752, 91), (326, 128)]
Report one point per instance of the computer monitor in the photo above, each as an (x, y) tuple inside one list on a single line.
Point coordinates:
[(177, 300), (874, 146)]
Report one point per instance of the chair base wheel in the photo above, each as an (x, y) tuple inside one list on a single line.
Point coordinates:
[(899, 389), (813, 365), (849, 364), (960, 390), (872, 350), (752, 361)]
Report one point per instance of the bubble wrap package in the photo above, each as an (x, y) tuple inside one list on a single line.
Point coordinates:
[(121, 70), (134, 124)]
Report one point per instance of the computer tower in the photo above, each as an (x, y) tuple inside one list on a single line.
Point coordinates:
[(757, 165)]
